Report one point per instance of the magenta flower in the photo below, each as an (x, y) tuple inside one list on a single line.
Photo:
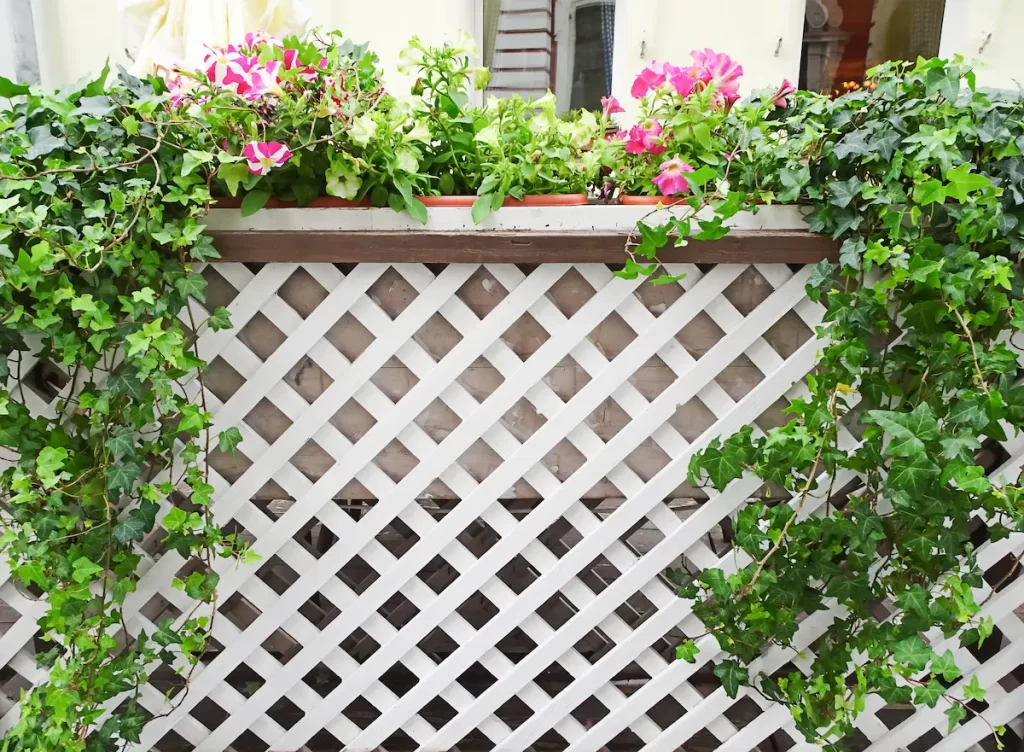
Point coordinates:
[(671, 180), (645, 138), (610, 105), (255, 38), (721, 70), (787, 89), (650, 77), (225, 66), (683, 80), (262, 79), (263, 156)]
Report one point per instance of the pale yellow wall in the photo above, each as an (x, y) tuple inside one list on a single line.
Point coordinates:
[(993, 41), (762, 35)]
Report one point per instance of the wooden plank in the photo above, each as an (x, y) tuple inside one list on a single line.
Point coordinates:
[(740, 246)]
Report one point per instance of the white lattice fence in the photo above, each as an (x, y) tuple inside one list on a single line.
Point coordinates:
[(465, 483)]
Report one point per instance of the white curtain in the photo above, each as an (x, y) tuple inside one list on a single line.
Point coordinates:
[(172, 33)]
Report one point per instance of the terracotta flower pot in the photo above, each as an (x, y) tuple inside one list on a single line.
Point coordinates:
[(571, 199), (321, 202), (429, 201), (651, 200), (568, 199)]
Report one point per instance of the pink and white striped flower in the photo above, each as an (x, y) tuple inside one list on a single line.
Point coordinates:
[(671, 181), (263, 156), (225, 66), (262, 80), (256, 38)]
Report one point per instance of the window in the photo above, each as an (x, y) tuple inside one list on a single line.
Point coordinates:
[(591, 72), (845, 38)]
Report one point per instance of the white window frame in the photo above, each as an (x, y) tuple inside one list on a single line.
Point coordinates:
[(565, 40)]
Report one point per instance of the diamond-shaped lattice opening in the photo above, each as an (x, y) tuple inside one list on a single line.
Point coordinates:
[(395, 460), (607, 420), (477, 610), (399, 679), (515, 712), (353, 421), (481, 292), (658, 298), (665, 712), (437, 574), (478, 537), (261, 336), (647, 460), (479, 460), (481, 379), (781, 741), (594, 645), (438, 645), (399, 742), (1004, 572), (524, 336), (267, 421), (699, 335), (277, 574), (230, 465), (221, 379), (743, 712), (349, 336), (692, 419), (748, 291), (570, 292), (302, 292), (560, 537), (322, 680), (437, 712), (239, 611), (635, 610), (357, 574), (158, 608), (563, 460), (774, 417), (248, 741), (476, 679), (285, 712), (523, 420), (394, 379), (566, 379), (392, 292), (437, 336), (360, 645), (312, 461), (245, 680), (437, 421), (926, 742), (739, 378), (398, 610), (308, 379), (209, 713), (219, 292), (626, 739), (318, 610), (213, 649), (172, 742), (517, 574), (44, 379), (590, 712), (11, 685), (787, 334)]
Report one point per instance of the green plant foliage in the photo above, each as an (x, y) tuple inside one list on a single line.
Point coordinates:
[(99, 198), (920, 177)]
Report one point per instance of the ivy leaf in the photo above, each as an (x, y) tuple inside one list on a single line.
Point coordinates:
[(908, 431), (916, 600), (820, 278), (481, 208), (121, 477), (851, 252), (253, 201), (131, 529), (121, 443), (912, 652), (930, 192), (219, 320), (687, 651), (43, 142), (192, 285), (974, 691), (912, 475), (722, 465), (233, 174), (84, 570), (48, 465), (846, 191), (955, 713), (733, 676), (929, 694), (960, 447), (9, 89), (229, 440), (962, 182), (945, 666), (174, 519)]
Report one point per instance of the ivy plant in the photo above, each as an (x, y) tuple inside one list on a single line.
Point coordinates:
[(881, 487), (100, 193)]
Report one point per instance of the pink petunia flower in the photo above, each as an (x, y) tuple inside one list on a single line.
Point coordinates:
[(651, 77), (780, 98), (683, 80), (291, 59), (263, 79), (610, 106), (721, 70), (309, 73), (225, 66), (255, 38), (645, 138), (263, 156), (671, 181)]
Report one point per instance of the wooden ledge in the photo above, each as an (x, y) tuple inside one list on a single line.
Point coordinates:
[(514, 247)]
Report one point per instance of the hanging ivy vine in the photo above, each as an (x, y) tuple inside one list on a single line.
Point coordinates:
[(98, 234), (922, 179)]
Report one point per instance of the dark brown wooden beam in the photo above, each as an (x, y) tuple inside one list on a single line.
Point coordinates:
[(739, 246)]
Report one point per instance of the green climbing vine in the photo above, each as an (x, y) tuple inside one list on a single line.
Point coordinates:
[(98, 234), (877, 490)]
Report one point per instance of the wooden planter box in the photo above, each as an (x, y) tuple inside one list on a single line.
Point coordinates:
[(526, 235)]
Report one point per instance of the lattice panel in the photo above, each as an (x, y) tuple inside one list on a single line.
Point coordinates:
[(465, 483)]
